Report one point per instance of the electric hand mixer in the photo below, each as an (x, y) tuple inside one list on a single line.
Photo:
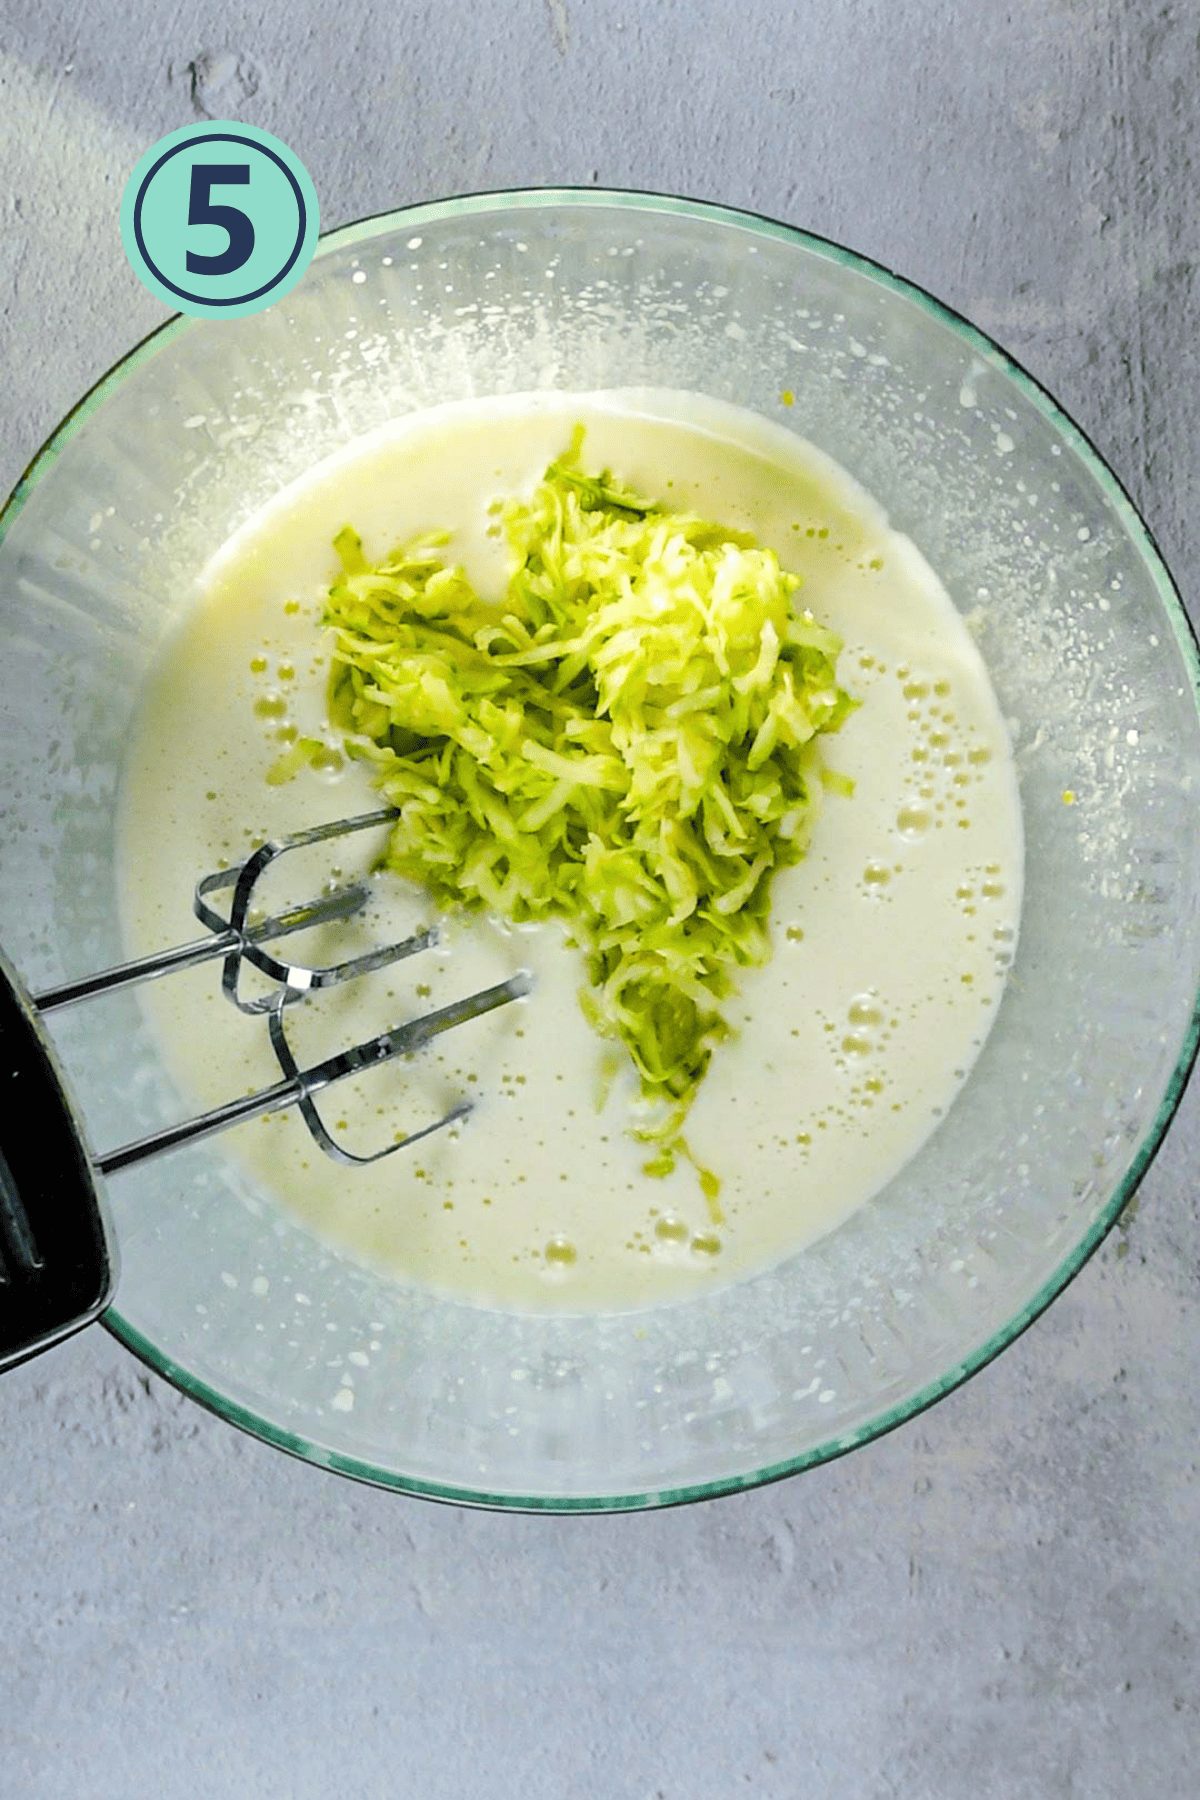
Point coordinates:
[(57, 1253)]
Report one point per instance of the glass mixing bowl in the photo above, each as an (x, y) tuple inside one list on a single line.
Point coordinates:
[(1089, 650)]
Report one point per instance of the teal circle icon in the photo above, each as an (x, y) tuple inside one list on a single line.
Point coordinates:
[(219, 219)]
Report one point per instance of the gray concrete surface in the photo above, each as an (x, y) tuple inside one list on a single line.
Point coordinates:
[(1000, 1599)]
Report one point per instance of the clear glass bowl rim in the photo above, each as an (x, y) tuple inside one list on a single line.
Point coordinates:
[(635, 202)]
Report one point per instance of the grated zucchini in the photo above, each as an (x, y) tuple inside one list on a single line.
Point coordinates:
[(625, 741)]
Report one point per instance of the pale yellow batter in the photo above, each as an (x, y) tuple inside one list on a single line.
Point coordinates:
[(890, 940)]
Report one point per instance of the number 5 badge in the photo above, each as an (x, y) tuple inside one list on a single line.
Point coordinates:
[(219, 219)]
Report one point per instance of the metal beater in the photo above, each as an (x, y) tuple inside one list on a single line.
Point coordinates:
[(57, 1253)]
